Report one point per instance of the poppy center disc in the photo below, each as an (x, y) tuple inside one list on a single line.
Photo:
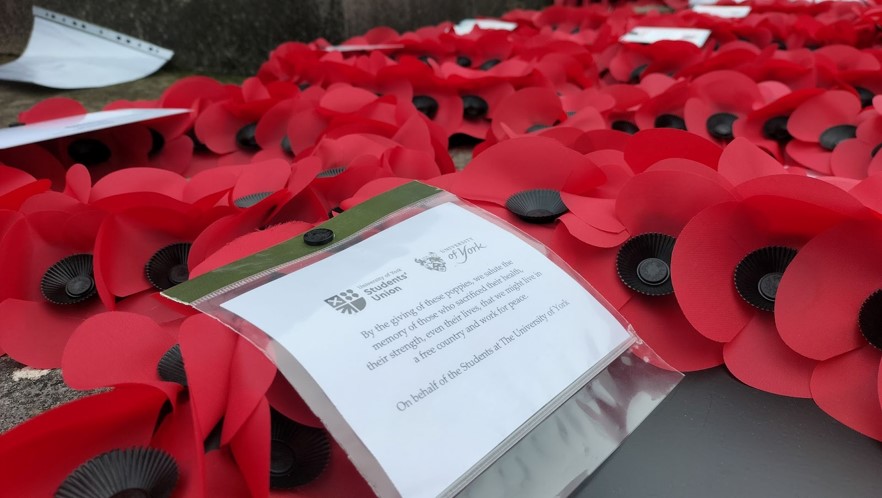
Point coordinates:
[(653, 271), (870, 319)]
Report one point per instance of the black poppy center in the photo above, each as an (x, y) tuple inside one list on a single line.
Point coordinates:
[(168, 266), (157, 142), (870, 319), (282, 458), (178, 274), (537, 127), (489, 64), (474, 107), (130, 473), (865, 95), (776, 129), (331, 172), (88, 151), (719, 125), (426, 105), (625, 126), (171, 366), (670, 121), (198, 145), (463, 61), (831, 137), (79, 286), (758, 275), (298, 454), (69, 281), (637, 73), (653, 271), (132, 493), (286, 146), (643, 264), (245, 137), (246, 201), (536, 206)]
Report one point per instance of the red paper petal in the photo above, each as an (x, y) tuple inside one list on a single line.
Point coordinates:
[(177, 436), (216, 127), (650, 146), (288, 402), (39, 454), (344, 99), (704, 259), (132, 180), (207, 347), (267, 176), (222, 475), (122, 249), (251, 374), (36, 161), (117, 348), (742, 161), (821, 293), (664, 201), (851, 159), (521, 164), (599, 213), (758, 357), (814, 116), (659, 322), (590, 234), (251, 449), (847, 388), (35, 333), (52, 108)]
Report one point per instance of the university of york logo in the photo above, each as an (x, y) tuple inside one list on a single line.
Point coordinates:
[(347, 302), (432, 262)]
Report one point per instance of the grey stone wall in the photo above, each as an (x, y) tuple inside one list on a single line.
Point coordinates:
[(234, 36)]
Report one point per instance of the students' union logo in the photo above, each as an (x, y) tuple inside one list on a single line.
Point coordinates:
[(432, 262), (347, 302)]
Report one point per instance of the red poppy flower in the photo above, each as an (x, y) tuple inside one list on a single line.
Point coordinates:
[(859, 157), (867, 84), (819, 125), (478, 54), (527, 111), (16, 186), (105, 436), (104, 151), (635, 60), (146, 247), (720, 98), (794, 68), (743, 161), (435, 98), (766, 127), (665, 110), (480, 99), (827, 309), (506, 179), (635, 276), (36, 161), (729, 259), (229, 126)]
